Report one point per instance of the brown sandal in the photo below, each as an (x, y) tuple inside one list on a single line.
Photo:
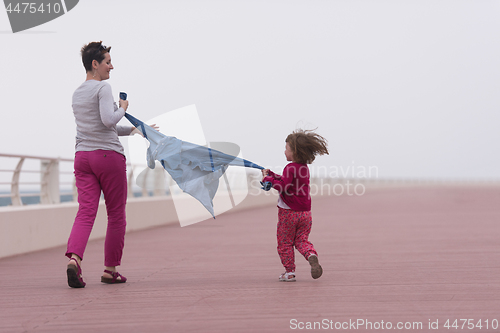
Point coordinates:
[(74, 272), (115, 276)]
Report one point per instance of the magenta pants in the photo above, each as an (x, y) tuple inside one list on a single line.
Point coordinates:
[(294, 228), (96, 171)]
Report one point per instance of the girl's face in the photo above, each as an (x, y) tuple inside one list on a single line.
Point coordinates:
[(103, 68), (288, 153)]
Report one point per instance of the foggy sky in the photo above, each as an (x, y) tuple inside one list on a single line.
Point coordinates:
[(410, 88)]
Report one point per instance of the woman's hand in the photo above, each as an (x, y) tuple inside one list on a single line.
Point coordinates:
[(265, 173), (123, 104), (136, 131)]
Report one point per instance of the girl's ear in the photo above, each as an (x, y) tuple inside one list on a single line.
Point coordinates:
[(94, 64)]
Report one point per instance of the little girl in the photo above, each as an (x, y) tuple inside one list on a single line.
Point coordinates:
[(294, 202)]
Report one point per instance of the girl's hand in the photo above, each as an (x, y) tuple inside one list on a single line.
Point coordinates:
[(265, 173)]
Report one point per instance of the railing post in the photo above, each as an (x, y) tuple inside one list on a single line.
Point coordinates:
[(50, 182), (14, 192), (159, 181)]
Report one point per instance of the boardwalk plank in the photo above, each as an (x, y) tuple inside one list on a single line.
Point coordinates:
[(397, 255)]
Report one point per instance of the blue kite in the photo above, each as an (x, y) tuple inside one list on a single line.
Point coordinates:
[(196, 169)]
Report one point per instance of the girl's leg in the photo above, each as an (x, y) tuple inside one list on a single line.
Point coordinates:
[(302, 243), (111, 169), (286, 237), (305, 247), (89, 192)]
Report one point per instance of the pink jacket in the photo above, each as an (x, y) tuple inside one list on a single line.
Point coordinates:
[(293, 186)]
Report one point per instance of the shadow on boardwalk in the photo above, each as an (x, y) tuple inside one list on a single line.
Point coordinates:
[(392, 256)]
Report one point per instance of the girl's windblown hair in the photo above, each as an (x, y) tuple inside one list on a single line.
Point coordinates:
[(306, 144)]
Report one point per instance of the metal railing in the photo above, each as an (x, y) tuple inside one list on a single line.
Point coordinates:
[(49, 183), (154, 182), (157, 182)]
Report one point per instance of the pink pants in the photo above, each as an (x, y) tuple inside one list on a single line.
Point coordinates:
[(95, 171), (294, 228)]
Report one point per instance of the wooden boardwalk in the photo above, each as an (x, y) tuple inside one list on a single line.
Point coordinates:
[(390, 257)]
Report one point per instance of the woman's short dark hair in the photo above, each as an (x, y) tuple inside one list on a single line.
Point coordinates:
[(93, 51)]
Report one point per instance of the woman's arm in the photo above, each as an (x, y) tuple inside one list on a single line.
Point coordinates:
[(110, 112), (124, 130), (136, 131)]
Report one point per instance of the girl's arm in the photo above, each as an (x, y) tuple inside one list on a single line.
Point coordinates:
[(281, 183), (268, 173)]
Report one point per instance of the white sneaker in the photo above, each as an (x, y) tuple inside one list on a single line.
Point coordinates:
[(288, 277)]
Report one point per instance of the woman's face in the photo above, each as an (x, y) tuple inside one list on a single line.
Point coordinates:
[(288, 153), (103, 68)]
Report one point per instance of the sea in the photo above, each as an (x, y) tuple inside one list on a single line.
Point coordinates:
[(30, 199)]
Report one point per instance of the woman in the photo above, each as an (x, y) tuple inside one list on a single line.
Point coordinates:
[(99, 166)]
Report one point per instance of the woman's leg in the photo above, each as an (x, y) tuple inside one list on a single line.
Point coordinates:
[(89, 193), (111, 169)]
